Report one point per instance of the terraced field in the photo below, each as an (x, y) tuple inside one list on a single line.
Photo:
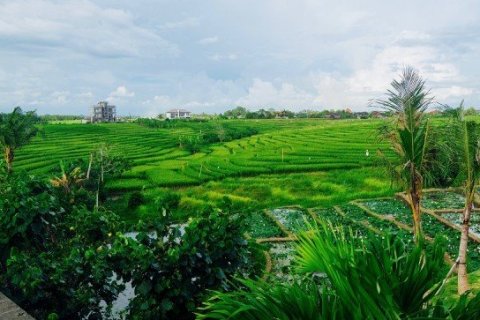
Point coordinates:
[(287, 162), (159, 160)]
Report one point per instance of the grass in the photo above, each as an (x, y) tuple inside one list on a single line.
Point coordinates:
[(449, 294)]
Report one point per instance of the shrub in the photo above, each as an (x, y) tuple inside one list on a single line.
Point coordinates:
[(168, 202), (45, 251), (135, 199), (170, 279)]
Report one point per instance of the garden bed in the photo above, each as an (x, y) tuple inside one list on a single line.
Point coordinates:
[(381, 226), (295, 220), (259, 225), (334, 217), (391, 207), (282, 255), (457, 219), (443, 199)]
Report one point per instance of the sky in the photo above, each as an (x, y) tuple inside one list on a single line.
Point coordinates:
[(145, 56)]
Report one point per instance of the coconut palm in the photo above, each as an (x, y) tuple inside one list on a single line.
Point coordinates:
[(468, 156), (16, 130), (408, 100)]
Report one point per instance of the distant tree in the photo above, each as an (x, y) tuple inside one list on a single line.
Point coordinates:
[(470, 112), (16, 130), (409, 136), (238, 112)]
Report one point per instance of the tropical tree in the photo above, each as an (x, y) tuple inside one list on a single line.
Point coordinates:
[(68, 181), (16, 130), (408, 100), (467, 154)]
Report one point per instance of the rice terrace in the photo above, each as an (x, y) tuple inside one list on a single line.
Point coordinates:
[(308, 164), (273, 163)]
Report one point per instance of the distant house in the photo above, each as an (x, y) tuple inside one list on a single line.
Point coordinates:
[(378, 114), (177, 114), (103, 112), (362, 115), (334, 115)]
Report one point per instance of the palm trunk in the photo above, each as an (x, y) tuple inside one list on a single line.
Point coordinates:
[(9, 156), (415, 191), (462, 254), (416, 213), (89, 166)]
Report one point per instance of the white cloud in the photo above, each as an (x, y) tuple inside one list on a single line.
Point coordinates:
[(60, 97), (85, 95), (157, 105), (265, 94), (120, 94), (80, 26), (452, 92), (309, 53), (220, 57), (184, 23), (388, 63), (209, 40)]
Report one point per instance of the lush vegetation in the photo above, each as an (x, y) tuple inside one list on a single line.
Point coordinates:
[(158, 213), (381, 278), (287, 162), (59, 258)]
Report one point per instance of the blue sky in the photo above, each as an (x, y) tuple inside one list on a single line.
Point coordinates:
[(59, 57)]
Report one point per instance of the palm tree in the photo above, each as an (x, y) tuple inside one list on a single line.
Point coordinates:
[(468, 156), (408, 100), (16, 130), (69, 181)]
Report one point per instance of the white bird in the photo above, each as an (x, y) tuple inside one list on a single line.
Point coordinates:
[(367, 153)]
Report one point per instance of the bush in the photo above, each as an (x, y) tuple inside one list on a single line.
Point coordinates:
[(168, 202), (46, 250), (171, 279), (135, 199)]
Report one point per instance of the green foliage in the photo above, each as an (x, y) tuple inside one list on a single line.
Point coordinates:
[(168, 201), (80, 180), (409, 136), (170, 273), (135, 199), (46, 251), (16, 130), (376, 278), (26, 204), (160, 160), (258, 300), (237, 112)]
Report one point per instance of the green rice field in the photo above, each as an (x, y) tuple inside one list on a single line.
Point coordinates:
[(312, 162)]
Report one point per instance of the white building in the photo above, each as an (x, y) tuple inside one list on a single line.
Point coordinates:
[(177, 114)]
